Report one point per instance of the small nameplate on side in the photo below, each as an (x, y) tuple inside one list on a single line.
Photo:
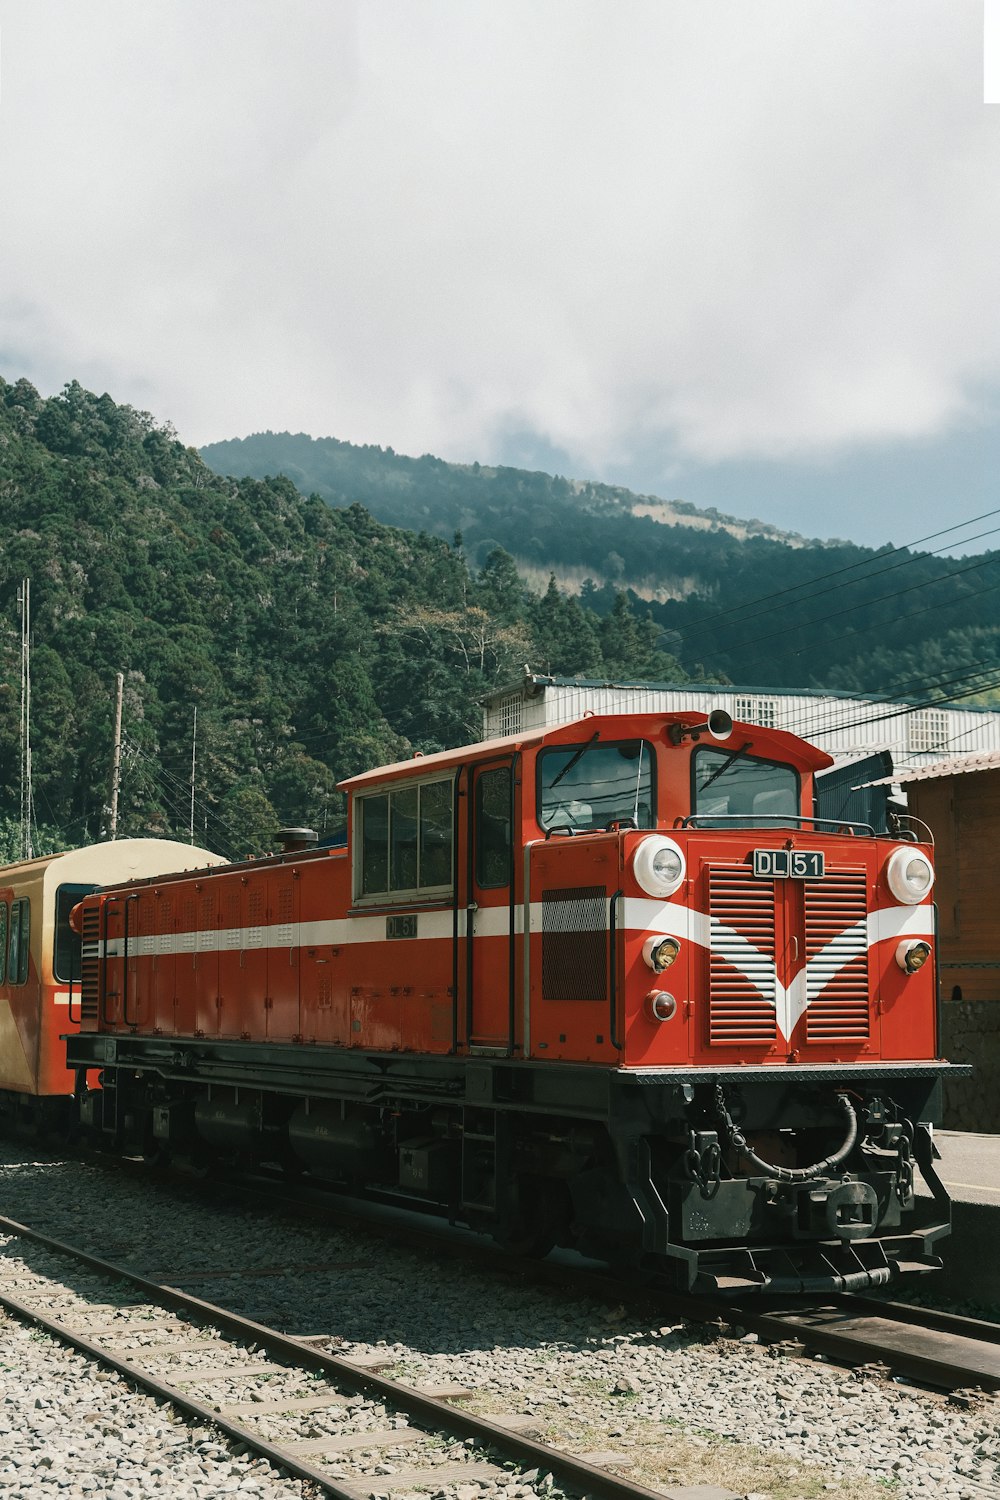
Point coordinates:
[(401, 926)]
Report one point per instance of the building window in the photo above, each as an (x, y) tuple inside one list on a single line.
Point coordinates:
[(760, 711), (928, 730), (509, 715), (404, 841)]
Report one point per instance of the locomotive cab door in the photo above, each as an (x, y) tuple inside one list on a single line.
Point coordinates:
[(490, 948)]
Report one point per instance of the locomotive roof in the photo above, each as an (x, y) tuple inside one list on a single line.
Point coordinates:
[(779, 741)]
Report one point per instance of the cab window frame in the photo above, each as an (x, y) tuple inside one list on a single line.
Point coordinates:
[(744, 819), (485, 850), (408, 834), (647, 747)]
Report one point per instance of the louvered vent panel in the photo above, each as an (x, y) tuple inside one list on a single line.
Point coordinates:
[(90, 965), (575, 944), (741, 1009), (836, 912)]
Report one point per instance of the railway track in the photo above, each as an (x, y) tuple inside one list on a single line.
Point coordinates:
[(202, 1358), (932, 1347)]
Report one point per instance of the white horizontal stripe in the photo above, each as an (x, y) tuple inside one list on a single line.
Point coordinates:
[(900, 921)]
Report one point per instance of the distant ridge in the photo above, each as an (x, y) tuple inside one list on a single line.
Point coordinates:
[(737, 598), (576, 529)]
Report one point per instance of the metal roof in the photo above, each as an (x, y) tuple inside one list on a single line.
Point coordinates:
[(543, 680), (955, 765)]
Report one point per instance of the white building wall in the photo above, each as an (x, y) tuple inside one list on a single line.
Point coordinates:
[(845, 727)]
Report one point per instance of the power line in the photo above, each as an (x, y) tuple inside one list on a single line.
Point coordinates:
[(799, 625), (850, 568)]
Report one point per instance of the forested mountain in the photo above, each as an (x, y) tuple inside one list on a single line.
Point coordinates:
[(312, 642), (833, 615)]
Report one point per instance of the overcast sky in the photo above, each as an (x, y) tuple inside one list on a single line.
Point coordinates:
[(741, 252)]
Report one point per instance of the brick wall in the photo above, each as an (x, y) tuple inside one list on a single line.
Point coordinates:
[(970, 1032)]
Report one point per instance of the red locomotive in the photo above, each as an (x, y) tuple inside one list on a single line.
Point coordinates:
[(611, 985)]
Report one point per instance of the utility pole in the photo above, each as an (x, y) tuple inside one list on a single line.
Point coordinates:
[(27, 796), (194, 762), (116, 763)]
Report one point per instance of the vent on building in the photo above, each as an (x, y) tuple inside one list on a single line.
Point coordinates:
[(928, 730), (761, 711), (509, 715)]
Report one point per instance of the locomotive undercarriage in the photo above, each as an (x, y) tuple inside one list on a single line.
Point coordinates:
[(736, 1181)]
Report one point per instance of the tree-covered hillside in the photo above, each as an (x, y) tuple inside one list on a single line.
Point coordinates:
[(312, 642), (757, 609)]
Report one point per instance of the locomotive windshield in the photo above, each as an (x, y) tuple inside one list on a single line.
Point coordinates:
[(594, 784), (741, 790)]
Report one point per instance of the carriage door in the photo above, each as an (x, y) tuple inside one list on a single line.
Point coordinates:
[(490, 956)]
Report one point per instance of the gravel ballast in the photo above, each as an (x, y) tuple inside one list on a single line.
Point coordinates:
[(678, 1407)]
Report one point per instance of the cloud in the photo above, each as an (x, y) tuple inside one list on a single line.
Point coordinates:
[(763, 232)]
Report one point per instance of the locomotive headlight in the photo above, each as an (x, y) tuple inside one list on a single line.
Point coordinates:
[(658, 866), (911, 955), (910, 875), (659, 952), (661, 1006)]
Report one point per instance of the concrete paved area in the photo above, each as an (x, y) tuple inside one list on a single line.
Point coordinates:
[(970, 1166)]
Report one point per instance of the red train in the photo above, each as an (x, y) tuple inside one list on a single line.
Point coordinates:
[(611, 985)]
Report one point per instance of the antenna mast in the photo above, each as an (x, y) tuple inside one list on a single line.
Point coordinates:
[(27, 795), (116, 764), (194, 762)]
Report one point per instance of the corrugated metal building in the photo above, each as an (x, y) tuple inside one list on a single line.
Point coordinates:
[(848, 728)]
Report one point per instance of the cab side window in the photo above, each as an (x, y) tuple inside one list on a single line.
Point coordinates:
[(403, 839), (3, 941), (18, 945)]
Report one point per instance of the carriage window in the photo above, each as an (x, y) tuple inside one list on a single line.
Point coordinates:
[(20, 937), (66, 943), (593, 784), (493, 827), (741, 790), (3, 942), (405, 840)]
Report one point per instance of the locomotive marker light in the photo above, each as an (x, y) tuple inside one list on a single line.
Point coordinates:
[(911, 955), (910, 875), (658, 866), (660, 952), (662, 1006)]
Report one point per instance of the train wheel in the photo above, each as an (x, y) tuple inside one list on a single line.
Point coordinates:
[(537, 1218)]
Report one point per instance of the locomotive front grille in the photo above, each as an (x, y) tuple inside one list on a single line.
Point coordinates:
[(742, 978), (836, 948), (824, 921)]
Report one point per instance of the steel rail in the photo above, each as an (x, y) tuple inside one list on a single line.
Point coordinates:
[(575, 1472), (833, 1325)]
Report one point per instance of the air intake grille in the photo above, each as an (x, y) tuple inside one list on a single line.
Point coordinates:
[(836, 912), (90, 964), (575, 944), (741, 1009)]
